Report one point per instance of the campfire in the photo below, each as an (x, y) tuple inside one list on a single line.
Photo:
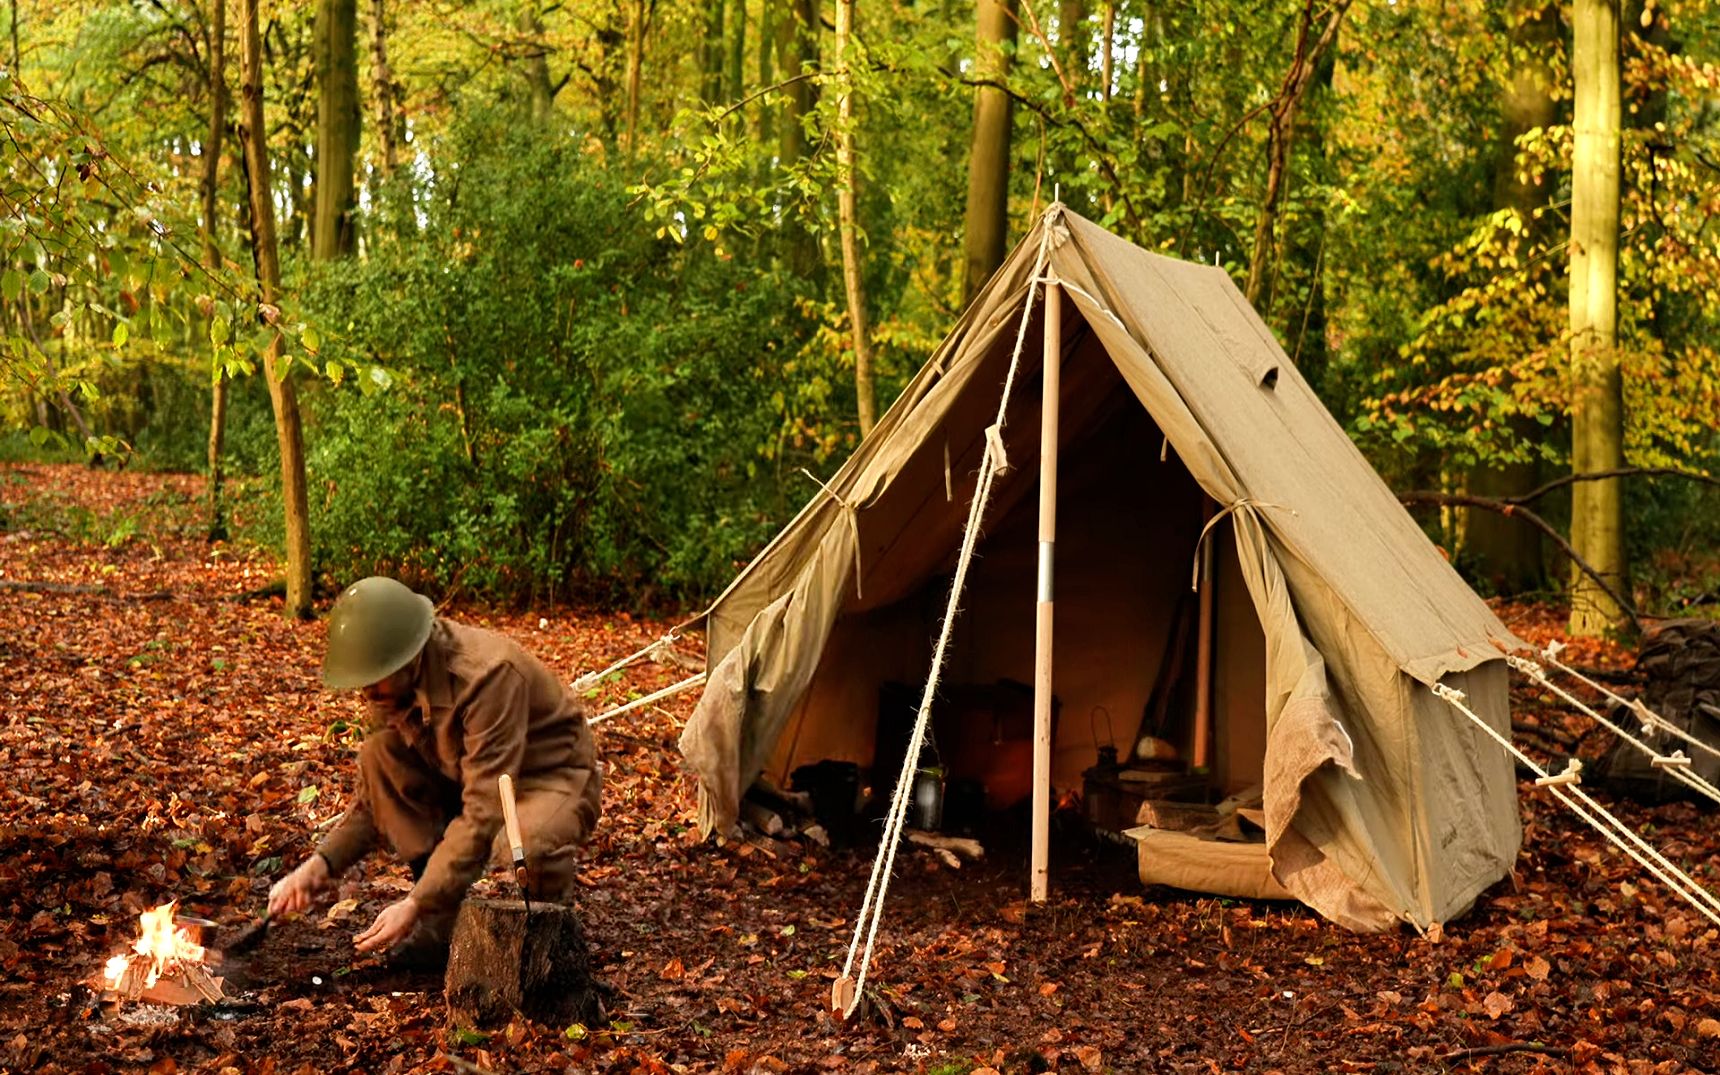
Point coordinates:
[(166, 965)]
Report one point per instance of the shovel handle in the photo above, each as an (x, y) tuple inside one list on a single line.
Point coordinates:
[(511, 816)]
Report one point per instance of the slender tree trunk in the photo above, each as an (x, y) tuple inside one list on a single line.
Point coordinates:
[(1506, 550), (1107, 69), (847, 195), (1072, 42), (337, 128), (1281, 114), (638, 32), (382, 82), (1597, 396), (987, 224), (769, 15), (217, 45), (737, 50), (799, 48), (711, 84), (17, 52), (282, 394)]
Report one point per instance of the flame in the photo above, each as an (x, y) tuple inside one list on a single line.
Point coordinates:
[(160, 941)]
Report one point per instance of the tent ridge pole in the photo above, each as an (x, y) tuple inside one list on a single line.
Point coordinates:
[(1044, 606)]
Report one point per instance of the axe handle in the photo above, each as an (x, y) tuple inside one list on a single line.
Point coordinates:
[(511, 817)]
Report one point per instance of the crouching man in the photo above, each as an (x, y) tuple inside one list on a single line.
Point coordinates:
[(453, 708)]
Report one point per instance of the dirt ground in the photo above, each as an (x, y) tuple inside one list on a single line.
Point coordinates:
[(163, 736)]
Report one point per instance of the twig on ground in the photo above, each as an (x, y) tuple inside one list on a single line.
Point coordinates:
[(1501, 1050)]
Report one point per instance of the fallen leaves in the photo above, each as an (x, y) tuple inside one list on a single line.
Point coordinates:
[(160, 748)]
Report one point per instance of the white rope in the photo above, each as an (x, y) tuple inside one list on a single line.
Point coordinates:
[(1675, 764), (592, 679), (690, 681), (1650, 719), (1567, 788), (877, 886)]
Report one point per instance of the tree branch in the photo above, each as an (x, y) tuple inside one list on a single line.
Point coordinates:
[(1511, 509), (1599, 475)]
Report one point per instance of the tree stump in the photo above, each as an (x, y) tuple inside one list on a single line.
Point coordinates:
[(502, 961)]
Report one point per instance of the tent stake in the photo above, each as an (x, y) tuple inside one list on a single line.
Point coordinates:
[(1043, 611)]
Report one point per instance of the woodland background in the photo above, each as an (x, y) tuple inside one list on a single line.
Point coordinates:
[(558, 299)]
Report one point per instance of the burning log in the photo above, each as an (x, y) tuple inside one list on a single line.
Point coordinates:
[(507, 958), (165, 966)]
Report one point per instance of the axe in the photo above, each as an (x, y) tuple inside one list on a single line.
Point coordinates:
[(517, 841)]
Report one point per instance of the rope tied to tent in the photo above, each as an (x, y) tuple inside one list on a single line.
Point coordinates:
[(846, 991), (1675, 763), (1651, 721), (1240, 504), (851, 513), (1567, 788), (651, 652)]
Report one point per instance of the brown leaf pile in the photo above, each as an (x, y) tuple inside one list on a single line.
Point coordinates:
[(161, 740)]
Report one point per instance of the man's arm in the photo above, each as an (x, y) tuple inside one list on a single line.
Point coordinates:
[(494, 743), (352, 836)]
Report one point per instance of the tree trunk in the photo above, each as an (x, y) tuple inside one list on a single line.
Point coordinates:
[(382, 82), (987, 224), (541, 90), (799, 48), (737, 50), (1597, 404), (217, 45), (768, 17), (847, 195), (711, 84), (1107, 51), (1507, 551), (1072, 42), (637, 33), (282, 394), (1281, 113), (337, 127)]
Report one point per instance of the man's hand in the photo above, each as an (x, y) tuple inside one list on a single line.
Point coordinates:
[(294, 891), (390, 928)]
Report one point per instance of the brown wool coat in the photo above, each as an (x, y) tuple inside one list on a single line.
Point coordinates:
[(483, 706)]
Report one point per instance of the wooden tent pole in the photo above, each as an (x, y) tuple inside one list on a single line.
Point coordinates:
[(1043, 610), (1202, 759)]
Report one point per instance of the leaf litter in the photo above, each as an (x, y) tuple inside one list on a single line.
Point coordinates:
[(161, 740)]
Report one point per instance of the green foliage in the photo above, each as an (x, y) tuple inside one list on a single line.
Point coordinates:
[(546, 399)]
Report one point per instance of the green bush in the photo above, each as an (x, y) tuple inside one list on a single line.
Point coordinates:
[(534, 398)]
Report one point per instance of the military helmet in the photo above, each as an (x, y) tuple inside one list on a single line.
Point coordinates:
[(376, 628)]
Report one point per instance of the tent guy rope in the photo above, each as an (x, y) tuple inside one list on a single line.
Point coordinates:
[(1651, 720), (846, 991), (1567, 788), (651, 652), (1675, 764)]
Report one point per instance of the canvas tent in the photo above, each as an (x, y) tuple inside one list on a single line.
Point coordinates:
[(1332, 610)]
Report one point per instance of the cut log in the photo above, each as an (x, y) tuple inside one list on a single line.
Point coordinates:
[(1177, 817), (762, 818), (973, 849), (504, 960)]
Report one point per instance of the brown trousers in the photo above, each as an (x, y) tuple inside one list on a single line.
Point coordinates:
[(411, 804)]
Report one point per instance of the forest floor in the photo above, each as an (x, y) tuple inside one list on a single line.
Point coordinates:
[(163, 737)]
